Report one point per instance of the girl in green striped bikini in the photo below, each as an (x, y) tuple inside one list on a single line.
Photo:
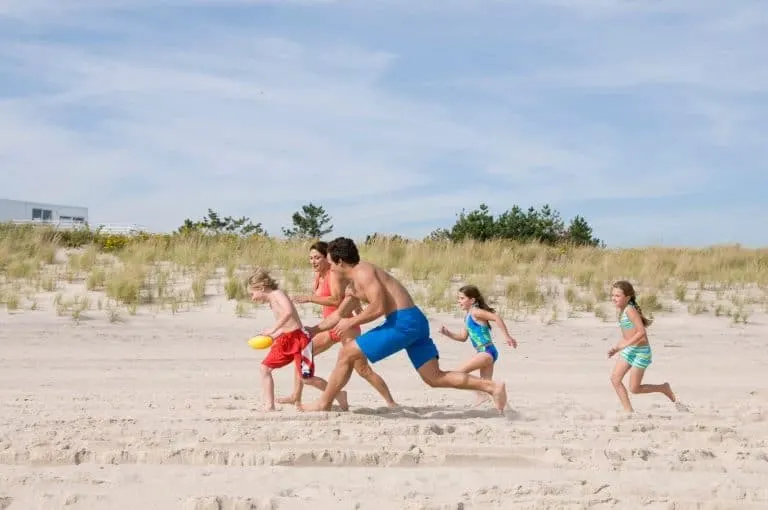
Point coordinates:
[(634, 349)]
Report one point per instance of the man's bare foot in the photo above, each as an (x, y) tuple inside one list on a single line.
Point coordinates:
[(267, 408), (500, 397), (668, 392), (341, 398), (481, 397), (286, 400), (393, 405), (314, 407)]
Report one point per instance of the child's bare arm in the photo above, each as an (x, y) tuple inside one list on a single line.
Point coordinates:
[(461, 336), (479, 313)]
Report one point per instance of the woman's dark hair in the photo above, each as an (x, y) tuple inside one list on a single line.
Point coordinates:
[(321, 247)]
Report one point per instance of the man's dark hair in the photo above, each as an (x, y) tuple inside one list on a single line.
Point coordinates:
[(343, 249)]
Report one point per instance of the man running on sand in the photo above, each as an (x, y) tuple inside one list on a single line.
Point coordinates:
[(405, 327)]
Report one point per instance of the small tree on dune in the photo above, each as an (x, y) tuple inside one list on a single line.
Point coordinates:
[(214, 224), (312, 221), (579, 232)]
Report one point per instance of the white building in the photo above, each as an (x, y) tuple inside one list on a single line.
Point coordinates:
[(19, 211), (122, 228), (59, 216)]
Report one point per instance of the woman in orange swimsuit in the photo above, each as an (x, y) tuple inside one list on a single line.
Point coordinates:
[(329, 293)]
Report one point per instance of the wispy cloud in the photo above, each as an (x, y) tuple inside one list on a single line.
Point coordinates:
[(395, 116)]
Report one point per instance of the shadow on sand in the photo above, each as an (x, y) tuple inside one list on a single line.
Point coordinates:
[(437, 413)]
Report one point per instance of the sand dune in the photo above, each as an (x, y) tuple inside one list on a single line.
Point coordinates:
[(162, 412)]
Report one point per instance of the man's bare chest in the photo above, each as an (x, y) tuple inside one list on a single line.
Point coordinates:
[(353, 291)]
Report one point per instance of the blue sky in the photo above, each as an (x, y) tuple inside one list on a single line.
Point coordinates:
[(647, 117)]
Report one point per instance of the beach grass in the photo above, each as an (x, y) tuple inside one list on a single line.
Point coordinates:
[(177, 272)]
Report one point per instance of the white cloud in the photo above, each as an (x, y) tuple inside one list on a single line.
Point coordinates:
[(256, 124), (259, 136)]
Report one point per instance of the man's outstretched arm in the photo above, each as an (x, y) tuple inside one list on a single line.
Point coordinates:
[(346, 307)]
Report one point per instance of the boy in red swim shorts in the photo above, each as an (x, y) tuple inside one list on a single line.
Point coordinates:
[(291, 343)]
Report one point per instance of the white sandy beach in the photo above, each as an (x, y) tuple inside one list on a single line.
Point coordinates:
[(161, 411)]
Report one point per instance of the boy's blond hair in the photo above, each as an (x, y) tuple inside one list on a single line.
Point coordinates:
[(260, 279)]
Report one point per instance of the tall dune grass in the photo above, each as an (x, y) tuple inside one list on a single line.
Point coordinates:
[(521, 280)]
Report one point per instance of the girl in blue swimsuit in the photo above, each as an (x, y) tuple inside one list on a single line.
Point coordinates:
[(478, 329), (634, 350)]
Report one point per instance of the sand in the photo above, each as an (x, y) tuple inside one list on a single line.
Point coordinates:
[(162, 411)]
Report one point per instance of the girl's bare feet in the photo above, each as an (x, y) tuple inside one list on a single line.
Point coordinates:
[(500, 397), (667, 389)]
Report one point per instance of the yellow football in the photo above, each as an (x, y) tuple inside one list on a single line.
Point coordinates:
[(260, 342)]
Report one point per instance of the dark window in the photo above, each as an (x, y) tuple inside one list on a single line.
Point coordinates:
[(47, 214), (78, 218), (37, 214)]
